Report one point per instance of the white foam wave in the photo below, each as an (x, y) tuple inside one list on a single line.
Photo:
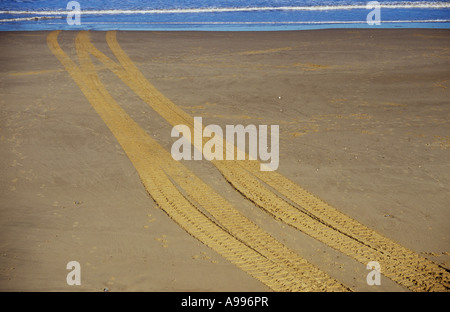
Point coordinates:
[(33, 18), (394, 5)]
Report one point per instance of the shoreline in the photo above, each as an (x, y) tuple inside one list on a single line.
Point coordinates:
[(392, 25)]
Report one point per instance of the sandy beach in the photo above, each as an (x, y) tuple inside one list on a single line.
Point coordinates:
[(364, 126)]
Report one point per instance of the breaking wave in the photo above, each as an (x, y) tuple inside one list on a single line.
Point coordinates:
[(385, 5)]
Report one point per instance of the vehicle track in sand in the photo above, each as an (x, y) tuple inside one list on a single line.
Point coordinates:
[(172, 186), (180, 193)]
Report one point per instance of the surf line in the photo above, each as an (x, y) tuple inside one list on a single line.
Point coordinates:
[(216, 148)]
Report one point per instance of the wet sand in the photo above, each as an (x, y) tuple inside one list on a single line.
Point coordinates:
[(363, 117)]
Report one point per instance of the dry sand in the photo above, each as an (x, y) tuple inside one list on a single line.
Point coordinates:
[(363, 118)]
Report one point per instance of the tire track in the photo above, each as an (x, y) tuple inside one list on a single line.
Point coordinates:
[(288, 202), (399, 263), (178, 191), (336, 230)]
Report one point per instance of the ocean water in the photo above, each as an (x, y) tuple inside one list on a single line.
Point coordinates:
[(234, 15)]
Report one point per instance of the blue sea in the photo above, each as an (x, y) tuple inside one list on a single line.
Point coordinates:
[(219, 15)]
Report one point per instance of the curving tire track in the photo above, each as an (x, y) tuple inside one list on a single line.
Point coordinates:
[(178, 192), (288, 202), (283, 199)]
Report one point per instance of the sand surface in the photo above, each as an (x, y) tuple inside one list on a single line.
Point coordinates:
[(364, 125)]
